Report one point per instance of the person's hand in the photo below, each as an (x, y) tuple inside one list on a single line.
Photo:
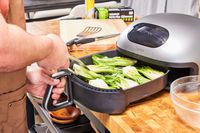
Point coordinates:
[(39, 78), (58, 58)]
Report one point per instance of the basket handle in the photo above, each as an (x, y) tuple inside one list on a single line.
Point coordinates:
[(48, 101)]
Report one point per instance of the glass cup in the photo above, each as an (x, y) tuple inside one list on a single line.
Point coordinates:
[(185, 96)]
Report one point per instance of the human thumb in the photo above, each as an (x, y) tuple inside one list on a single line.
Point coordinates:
[(48, 80)]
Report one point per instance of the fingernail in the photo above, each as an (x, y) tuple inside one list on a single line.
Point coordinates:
[(54, 102), (56, 80)]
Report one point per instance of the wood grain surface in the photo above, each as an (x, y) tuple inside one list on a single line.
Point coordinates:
[(70, 28), (154, 114)]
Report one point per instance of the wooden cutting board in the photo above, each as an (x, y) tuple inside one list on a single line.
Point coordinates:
[(70, 28)]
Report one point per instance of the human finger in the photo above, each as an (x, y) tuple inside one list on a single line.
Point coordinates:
[(55, 101), (62, 83), (58, 91), (48, 80), (55, 96), (48, 72)]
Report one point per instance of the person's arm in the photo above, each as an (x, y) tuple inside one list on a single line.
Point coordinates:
[(19, 49), (16, 13)]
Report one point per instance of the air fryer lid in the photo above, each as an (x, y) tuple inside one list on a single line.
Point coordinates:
[(169, 39)]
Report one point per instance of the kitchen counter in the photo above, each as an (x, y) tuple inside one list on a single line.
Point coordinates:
[(153, 114)]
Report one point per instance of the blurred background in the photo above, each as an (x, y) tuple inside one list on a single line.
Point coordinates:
[(48, 9)]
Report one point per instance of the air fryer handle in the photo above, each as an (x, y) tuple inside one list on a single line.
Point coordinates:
[(48, 101)]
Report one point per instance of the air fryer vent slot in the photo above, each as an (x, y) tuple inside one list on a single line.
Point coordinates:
[(176, 73)]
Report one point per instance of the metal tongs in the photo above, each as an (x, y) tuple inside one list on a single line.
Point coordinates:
[(88, 40), (89, 30), (47, 102)]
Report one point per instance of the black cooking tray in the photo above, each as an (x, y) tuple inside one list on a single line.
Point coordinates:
[(113, 101), (103, 100)]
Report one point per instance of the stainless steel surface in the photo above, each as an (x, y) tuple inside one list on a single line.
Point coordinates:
[(105, 36), (182, 45), (44, 115), (89, 31), (98, 125), (83, 40)]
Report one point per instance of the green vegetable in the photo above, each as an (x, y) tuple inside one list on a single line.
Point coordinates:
[(102, 69), (112, 81), (114, 77), (114, 61), (149, 72), (99, 83), (118, 81), (132, 73), (87, 74), (126, 83)]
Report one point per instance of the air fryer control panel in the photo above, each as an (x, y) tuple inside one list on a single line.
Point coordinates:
[(148, 35)]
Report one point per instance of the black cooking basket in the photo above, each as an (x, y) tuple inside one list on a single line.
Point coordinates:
[(112, 101)]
